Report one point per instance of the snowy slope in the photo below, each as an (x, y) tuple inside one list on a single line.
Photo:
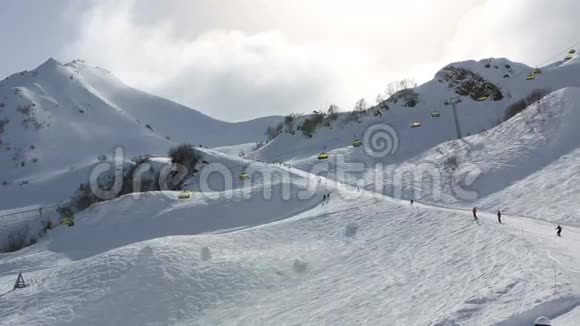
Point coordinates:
[(533, 153), (525, 165), (411, 265), (56, 120), (269, 251), (474, 116)]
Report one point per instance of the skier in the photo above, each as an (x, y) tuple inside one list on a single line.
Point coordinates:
[(324, 198), (474, 210), (499, 216), (412, 202), (559, 232), (328, 197)]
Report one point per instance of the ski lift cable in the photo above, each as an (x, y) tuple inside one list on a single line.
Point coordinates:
[(34, 210)]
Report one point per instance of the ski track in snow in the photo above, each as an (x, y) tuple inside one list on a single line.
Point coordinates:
[(330, 263), (234, 257)]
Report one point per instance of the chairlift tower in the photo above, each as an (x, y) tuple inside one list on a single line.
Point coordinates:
[(453, 101)]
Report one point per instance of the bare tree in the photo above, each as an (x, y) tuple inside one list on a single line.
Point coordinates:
[(398, 85), (360, 105)]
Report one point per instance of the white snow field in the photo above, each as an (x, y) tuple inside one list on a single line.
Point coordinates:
[(269, 250), (138, 262)]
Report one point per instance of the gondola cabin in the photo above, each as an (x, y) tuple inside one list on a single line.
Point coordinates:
[(185, 195)]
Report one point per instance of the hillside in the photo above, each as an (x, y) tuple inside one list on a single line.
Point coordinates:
[(277, 236), (359, 257), (57, 120), (497, 166), (500, 81)]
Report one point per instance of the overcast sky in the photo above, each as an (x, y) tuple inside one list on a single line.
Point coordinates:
[(241, 59)]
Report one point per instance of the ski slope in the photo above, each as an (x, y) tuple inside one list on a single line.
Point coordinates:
[(58, 119), (270, 251), (525, 165), (139, 260)]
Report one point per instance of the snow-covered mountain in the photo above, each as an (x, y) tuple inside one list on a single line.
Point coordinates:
[(56, 120), (533, 150), (308, 241), (497, 83)]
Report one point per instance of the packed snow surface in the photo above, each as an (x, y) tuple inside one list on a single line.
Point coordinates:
[(300, 242)]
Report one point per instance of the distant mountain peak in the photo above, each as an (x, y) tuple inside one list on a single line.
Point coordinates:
[(49, 63)]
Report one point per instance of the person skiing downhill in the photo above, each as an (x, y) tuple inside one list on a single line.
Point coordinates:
[(499, 216), (559, 230), (474, 211), (412, 202)]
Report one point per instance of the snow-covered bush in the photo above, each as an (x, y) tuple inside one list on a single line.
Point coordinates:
[(272, 132), (451, 163), (522, 104), (16, 239), (311, 124), (24, 234), (185, 155)]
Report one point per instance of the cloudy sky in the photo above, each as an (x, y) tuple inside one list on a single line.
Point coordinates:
[(241, 59)]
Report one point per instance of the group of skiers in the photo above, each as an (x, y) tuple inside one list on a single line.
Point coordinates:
[(326, 198), (474, 211), (498, 213)]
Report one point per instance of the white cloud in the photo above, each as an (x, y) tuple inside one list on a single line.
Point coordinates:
[(530, 31), (228, 74), (237, 60)]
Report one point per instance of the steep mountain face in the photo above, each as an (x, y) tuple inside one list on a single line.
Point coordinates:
[(468, 83), (58, 119)]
